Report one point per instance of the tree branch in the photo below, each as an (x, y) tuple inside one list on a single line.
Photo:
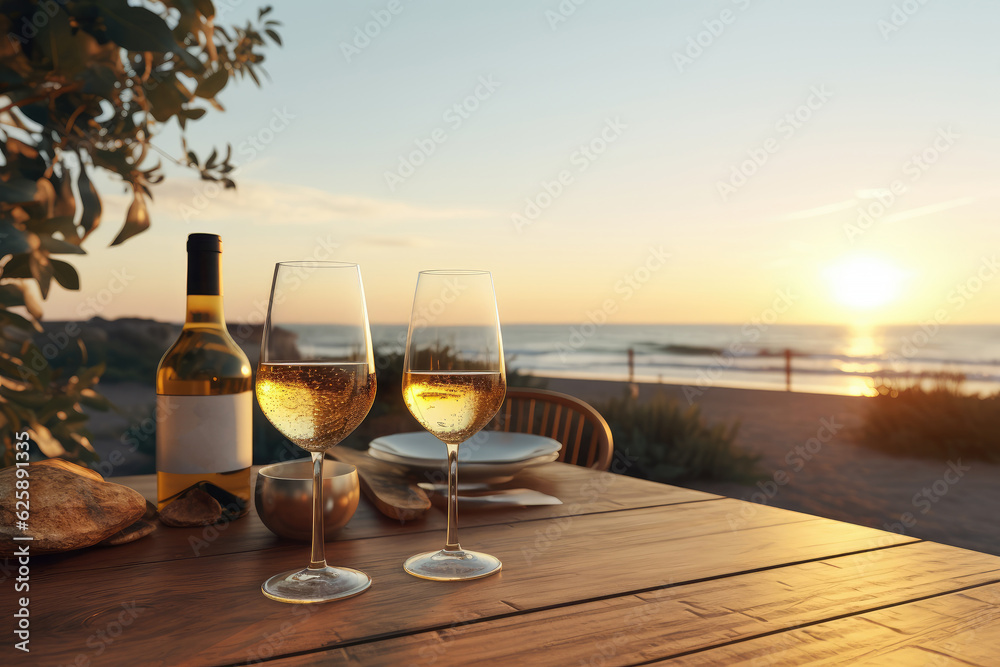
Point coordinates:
[(43, 96)]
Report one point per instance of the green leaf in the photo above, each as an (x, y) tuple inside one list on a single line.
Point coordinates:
[(210, 86), (37, 112), (116, 160), (46, 442), (273, 35), (13, 319), (166, 97), (206, 8), (9, 78), (12, 240), (134, 29), (19, 266), (91, 217), (41, 271), (32, 355), (13, 416), (55, 405), (99, 80), (11, 295), (136, 220), (16, 294), (253, 75), (65, 274), (73, 418), (13, 369), (27, 398), (89, 377), (18, 191), (45, 199), (59, 247), (61, 44), (61, 224), (65, 204), (92, 399)]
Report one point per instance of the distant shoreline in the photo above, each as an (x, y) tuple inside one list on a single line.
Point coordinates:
[(620, 385), (599, 389)]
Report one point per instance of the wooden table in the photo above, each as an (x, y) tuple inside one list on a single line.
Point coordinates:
[(625, 572)]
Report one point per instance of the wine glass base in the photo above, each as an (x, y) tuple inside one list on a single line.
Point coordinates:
[(460, 565), (316, 585)]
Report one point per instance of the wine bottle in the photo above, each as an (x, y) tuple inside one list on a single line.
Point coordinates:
[(204, 396)]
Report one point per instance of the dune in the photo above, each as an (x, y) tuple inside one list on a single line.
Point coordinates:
[(810, 442)]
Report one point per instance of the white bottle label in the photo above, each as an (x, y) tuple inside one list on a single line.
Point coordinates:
[(204, 434)]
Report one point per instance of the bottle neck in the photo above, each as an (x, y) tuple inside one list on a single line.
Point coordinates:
[(204, 273), (204, 289), (204, 310)]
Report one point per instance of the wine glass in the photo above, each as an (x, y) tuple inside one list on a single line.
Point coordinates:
[(316, 383), (453, 384)]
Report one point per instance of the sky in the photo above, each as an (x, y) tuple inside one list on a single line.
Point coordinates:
[(658, 162)]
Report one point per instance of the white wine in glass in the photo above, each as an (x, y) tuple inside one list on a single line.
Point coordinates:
[(453, 384), (315, 384)]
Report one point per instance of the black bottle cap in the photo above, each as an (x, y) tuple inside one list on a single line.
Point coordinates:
[(204, 243), (204, 275)]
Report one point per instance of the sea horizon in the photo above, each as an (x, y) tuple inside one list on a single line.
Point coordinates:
[(824, 358)]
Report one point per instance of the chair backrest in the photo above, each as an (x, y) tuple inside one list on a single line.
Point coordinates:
[(583, 432)]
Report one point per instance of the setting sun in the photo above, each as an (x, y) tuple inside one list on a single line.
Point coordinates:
[(863, 283)]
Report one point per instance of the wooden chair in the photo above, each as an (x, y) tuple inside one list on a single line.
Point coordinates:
[(585, 436)]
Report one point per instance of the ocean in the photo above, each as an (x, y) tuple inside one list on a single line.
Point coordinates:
[(825, 359)]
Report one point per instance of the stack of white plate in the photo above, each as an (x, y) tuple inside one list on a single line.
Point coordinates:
[(489, 456)]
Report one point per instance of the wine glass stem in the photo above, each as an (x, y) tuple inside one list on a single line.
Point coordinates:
[(318, 555), (452, 538)]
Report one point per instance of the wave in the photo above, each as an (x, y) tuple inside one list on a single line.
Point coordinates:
[(696, 350)]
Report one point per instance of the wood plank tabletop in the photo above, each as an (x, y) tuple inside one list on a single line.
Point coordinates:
[(624, 572)]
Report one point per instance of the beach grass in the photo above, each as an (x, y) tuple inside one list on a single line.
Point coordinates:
[(937, 421), (670, 443)]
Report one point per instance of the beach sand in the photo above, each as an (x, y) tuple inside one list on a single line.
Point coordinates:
[(842, 479)]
